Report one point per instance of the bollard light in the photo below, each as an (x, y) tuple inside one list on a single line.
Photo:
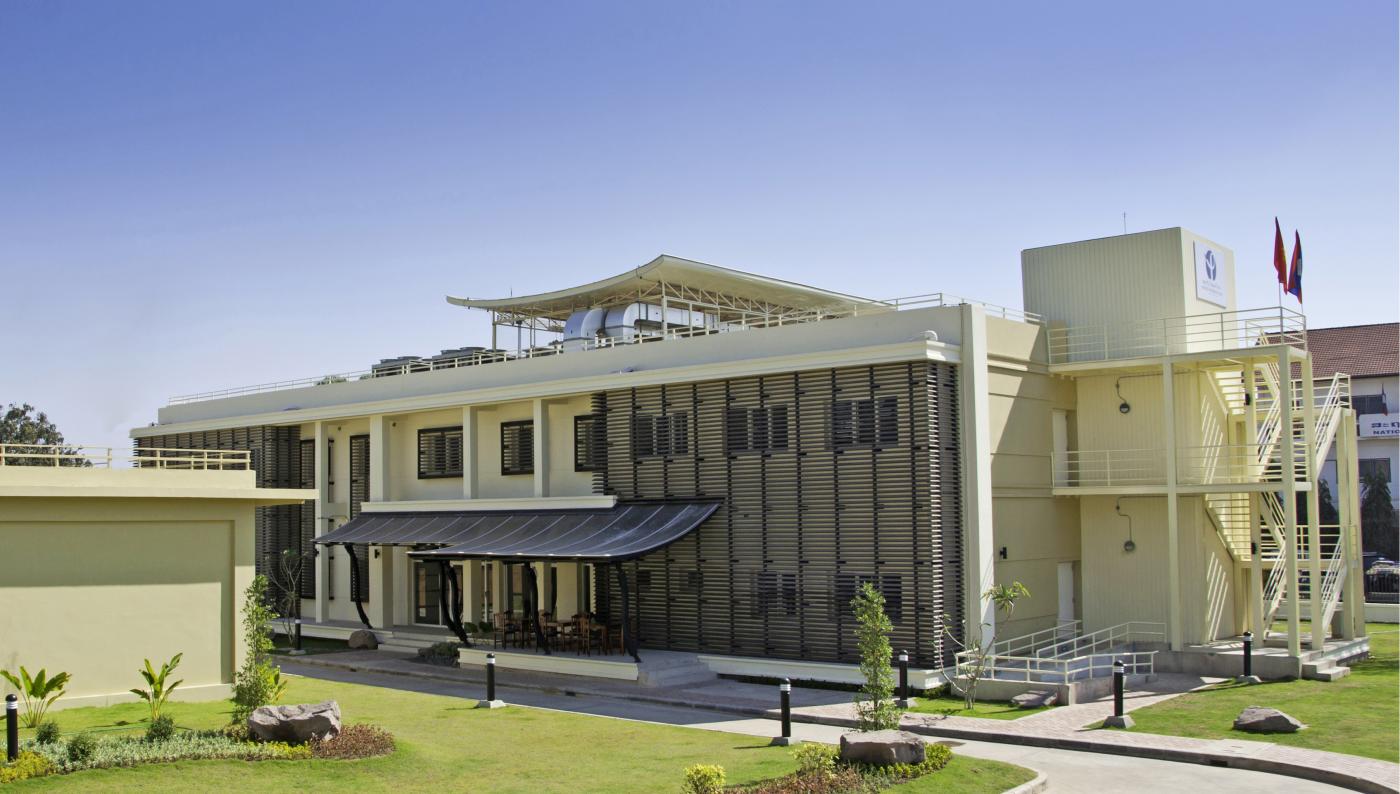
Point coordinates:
[(1119, 719), (904, 701), (785, 704), (491, 677), (1248, 654), (11, 727)]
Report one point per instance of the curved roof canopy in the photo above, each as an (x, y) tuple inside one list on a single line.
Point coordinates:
[(613, 534), (674, 277)]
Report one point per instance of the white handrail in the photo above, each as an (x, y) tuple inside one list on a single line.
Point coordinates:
[(87, 456), (1230, 330)]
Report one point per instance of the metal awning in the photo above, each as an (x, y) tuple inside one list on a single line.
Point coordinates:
[(624, 531)]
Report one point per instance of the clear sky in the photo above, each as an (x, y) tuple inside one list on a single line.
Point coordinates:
[(201, 195)]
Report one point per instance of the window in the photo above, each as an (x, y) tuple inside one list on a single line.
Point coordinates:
[(774, 593), (590, 443), (846, 585), (518, 447), (1368, 404), (660, 436), (865, 423), (440, 452), (1368, 467), (756, 429)]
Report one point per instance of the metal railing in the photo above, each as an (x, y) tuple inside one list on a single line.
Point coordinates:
[(81, 456), (1211, 464), (1066, 660), (479, 356), (1231, 330)]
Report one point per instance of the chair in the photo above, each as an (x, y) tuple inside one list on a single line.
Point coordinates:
[(502, 627)]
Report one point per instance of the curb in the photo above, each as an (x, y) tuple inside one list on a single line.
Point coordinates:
[(1034, 786)]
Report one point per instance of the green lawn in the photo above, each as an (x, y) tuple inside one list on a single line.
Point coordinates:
[(445, 744), (952, 706), (1355, 715)]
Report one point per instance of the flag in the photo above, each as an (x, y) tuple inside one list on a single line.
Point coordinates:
[(1280, 261), (1295, 271)]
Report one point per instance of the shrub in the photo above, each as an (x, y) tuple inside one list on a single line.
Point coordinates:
[(160, 729), (704, 779), (81, 748), (815, 759), (160, 685), (47, 733), (39, 692), (354, 741), (257, 682), (876, 709), (28, 764)]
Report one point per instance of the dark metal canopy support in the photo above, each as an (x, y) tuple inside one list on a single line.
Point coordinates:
[(447, 598), (354, 580), (629, 639), (532, 591)]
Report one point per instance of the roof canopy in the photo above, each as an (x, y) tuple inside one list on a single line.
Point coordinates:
[(618, 533), (682, 280)]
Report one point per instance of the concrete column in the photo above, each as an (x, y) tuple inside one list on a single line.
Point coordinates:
[(471, 487), (1287, 451), (979, 548), (322, 567), (1255, 590), (1319, 629), (546, 586), (380, 608), (379, 444), (1174, 627), (473, 608), (1349, 516), (541, 451)]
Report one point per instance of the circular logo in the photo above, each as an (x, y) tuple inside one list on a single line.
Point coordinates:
[(1211, 268)]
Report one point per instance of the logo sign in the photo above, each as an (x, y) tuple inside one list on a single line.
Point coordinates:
[(1210, 273), (1378, 426)]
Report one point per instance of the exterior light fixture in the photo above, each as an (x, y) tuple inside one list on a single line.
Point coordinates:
[(1123, 406), (1128, 545)]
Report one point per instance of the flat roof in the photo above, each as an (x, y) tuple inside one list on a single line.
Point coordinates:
[(674, 271)]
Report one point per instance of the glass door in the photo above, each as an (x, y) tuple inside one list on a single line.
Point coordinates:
[(427, 586)]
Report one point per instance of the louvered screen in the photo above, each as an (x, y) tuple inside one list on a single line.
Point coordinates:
[(829, 478), (359, 493), (518, 447), (440, 452), (308, 519)]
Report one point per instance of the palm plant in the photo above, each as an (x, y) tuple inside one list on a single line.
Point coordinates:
[(160, 689), (39, 692)]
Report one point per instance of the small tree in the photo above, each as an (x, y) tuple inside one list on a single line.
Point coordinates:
[(875, 708), (1380, 531), (258, 682), (974, 666), (291, 565)]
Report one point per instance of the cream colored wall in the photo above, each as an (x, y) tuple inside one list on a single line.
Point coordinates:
[(495, 485), (340, 606), (563, 480), (403, 479), (1101, 425), (93, 586)]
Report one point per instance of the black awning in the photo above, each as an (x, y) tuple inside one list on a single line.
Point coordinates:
[(621, 532)]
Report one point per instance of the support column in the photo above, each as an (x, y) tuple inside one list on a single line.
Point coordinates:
[(1174, 628), (546, 587), (381, 586), (471, 488), (379, 440), (1349, 517), (1315, 569), (541, 450), (1255, 590), (979, 546), (321, 567), (473, 610), (1287, 453)]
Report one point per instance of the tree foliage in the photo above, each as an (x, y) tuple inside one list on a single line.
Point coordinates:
[(39, 692), (975, 662), (1379, 525), (258, 682), (25, 426), (875, 708)]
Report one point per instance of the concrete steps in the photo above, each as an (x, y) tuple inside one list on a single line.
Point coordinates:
[(673, 669), (1324, 671)]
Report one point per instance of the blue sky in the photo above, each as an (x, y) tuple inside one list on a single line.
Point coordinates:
[(201, 195)]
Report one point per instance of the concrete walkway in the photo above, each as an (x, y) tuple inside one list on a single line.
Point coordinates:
[(1065, 770)]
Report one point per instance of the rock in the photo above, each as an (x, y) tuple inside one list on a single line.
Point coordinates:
[(295, 724), (363, 639), (882, 747), (1034, 700), (1257, 719)]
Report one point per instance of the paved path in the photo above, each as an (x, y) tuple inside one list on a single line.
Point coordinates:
[(1067, 770)]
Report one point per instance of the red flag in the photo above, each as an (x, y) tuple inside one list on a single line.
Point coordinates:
[(1280, 261), (1295, 273)]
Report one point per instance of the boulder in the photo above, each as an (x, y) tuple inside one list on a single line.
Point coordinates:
[(1257, 719), (295, 724), (1034, 700), (363, 639), (882, 747)]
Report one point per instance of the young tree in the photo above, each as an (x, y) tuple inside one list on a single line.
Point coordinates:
[(975, 663), (258, 682), (875, 709), (25, 426), (291, 565), (1379, 527)]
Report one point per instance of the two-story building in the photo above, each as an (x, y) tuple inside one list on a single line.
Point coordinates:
[(714, 461), (1370, 356)]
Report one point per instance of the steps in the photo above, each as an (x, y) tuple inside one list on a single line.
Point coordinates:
[(673, 669)]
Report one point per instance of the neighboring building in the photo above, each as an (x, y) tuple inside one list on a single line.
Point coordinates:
[(106, 567), (718, 460), (1370, 354)]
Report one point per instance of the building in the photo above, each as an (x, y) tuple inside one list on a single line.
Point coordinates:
[(1370, 355), (108, 566), (717, 460)]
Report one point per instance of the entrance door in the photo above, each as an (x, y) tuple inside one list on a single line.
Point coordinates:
[(427, 586)]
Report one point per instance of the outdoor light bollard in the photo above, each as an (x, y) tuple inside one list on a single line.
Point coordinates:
[(785, 699), (1248, 677), (904, 702), (490, 702), (11, 727), (1119, 719)]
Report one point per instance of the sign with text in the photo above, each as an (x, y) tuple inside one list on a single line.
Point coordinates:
[(1210, 274), (1378, 426)]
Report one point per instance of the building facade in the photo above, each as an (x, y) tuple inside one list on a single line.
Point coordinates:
[(1370, 356)]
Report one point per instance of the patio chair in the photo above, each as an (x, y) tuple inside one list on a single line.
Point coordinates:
[(503, 626)]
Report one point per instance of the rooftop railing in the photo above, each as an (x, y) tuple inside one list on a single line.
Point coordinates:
[(478, 356), (79, 456), (1233, 330)]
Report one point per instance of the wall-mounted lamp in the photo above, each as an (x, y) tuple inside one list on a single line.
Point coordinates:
[(1123, 406), (1128, 545), (1003, 552), (376, 553)]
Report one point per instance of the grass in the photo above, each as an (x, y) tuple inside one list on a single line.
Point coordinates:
[(445, 744), (1355, 715), (950, 706)]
